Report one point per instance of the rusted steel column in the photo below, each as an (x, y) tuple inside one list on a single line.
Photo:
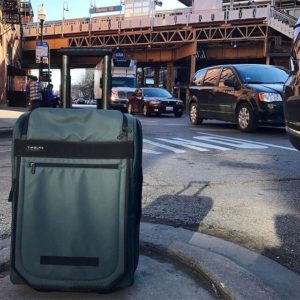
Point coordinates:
[(267, 48), (193, 67), (170, 76), (156, 77)]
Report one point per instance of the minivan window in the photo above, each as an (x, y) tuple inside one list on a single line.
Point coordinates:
[(226, 74), (198, 78), (261, 74), (211, 77)]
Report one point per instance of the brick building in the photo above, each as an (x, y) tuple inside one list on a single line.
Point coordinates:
[(12, 77)]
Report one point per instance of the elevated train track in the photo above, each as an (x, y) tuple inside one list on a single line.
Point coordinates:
[(245, 32)]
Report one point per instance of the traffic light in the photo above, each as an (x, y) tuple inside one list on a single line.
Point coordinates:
[(46, 76)]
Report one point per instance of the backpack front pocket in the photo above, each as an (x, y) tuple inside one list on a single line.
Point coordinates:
[(72, 212)]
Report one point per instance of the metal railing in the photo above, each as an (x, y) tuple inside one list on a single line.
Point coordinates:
[(163, 18), (283, 16)]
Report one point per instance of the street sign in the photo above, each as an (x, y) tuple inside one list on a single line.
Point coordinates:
[(106, 9), (119, 55), (41, 49), (41, 52)]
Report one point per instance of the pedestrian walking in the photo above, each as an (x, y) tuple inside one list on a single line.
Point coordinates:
[(35, 93)]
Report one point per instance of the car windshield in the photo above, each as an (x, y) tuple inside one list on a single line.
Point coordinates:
[(262, 74), (123, 82), (124, 94), (156, 93)]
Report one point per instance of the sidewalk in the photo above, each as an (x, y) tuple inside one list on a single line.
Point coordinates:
[(236, 272), (8, 117)]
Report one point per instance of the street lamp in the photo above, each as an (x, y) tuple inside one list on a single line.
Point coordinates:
[(41, 18), (65, 8), (154, 4), (122, 3)]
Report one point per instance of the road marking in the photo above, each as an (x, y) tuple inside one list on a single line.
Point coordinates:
[(193, 144), (174, 124), (151, 151), (249, 141), (178, 151), (228, 142)]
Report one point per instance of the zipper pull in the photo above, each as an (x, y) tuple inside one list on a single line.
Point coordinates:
[(32, 166)]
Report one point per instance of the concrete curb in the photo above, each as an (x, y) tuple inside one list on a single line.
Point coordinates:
[(237, 272), (4, 255), (6, 130)]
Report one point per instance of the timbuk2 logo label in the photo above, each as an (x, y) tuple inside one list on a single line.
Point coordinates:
[(35, 148)]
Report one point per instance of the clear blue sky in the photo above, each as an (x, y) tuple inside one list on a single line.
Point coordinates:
[(80, 8)]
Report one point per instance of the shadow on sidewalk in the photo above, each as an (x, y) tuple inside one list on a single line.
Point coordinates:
[(288, 229), (186, 208)]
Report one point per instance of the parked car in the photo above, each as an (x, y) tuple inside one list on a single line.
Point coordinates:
[(80, 101), (154, 101), (120, 96), (248, 94), (91, 101), (291, 99)]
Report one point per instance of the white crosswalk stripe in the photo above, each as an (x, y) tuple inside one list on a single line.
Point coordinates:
[(187, 144), (204, 145), (207, 142), (176, 150), (151, 152), (252, 142), (229, 142)]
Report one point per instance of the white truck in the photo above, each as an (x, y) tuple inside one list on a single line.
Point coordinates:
[(121, 77)]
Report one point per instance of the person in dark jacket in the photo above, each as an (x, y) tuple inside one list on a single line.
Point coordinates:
[(47, 99)]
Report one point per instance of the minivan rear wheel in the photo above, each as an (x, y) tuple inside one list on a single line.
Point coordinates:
[(245, 118), (194, 114)]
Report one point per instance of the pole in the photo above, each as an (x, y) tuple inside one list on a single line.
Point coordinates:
[(41, 62), (106, 83), (65, 82), (63, 22)]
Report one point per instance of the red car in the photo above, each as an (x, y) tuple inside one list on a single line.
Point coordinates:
[(154, 101)]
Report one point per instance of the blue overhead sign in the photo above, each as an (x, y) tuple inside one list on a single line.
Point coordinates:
[(121, 59), (119, 55), (106, 9)]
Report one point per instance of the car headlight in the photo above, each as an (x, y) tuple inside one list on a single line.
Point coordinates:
[(269, 97), (154, 102), (179, 102)]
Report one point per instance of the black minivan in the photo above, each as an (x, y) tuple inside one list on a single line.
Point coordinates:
[(246, 94), (291, 97)]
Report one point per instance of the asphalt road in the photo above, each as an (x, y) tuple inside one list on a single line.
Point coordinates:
[(213, 179)]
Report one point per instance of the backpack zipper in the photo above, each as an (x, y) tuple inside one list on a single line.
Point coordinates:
[(34, 165)]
